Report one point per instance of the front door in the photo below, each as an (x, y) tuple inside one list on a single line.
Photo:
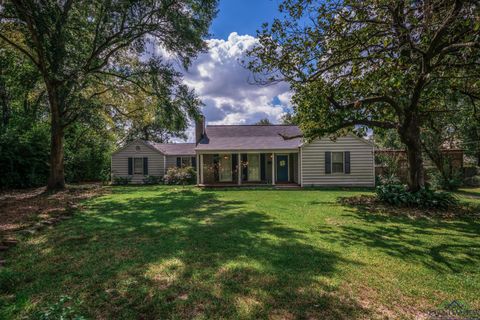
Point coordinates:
[(282, 168)]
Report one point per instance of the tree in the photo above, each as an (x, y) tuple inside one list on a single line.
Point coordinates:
[(383, 64), (289, 118), (86, 49), (263, 122), (469, 128)]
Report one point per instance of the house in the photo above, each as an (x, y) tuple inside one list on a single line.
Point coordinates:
[(140, 158), (254, 155)]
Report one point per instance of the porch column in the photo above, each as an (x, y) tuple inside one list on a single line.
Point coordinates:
[(273, 168), (239, 169), (198, 168), (201, 168)]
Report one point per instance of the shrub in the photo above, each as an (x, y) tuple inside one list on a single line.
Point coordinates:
[(121, 180), (472, 181), (152, 180), (387, 179), (183, 176), (437, 181), (398, 195)]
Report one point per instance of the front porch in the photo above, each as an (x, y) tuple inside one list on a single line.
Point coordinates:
[(248, 168)]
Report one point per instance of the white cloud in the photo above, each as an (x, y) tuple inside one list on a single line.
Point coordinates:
[(223, 85)]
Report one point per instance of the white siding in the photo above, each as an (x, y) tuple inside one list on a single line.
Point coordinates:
[(361, 163), (120, 161)]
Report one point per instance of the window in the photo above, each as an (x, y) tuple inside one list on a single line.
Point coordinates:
[(337, 162), (138, 165), (253, 167), (184, 161), (225, 168)]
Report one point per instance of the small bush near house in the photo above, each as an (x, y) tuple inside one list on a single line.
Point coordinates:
[(183, 176), (150, 180), (398, 195), (122, 180)]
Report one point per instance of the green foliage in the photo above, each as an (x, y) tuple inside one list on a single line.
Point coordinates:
[(183, 176), (439, 181), (263, 121), (152, 180), (472, 181), (398, 195), (355, 65), (64, 309), (24, 155), (122, 180), (289, 118), (94, 57), (87, 153)]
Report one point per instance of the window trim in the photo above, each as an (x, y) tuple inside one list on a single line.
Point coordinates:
[(134, 167), (343, 162)]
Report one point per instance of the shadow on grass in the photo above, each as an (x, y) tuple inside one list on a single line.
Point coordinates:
[(469, 193), (182, 254), (445, 246)]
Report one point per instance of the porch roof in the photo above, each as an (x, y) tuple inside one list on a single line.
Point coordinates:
[(249, 137)]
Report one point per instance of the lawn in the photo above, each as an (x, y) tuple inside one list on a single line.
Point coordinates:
[(162, 252)]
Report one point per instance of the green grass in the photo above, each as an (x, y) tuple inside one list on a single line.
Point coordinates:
[(170, 252)]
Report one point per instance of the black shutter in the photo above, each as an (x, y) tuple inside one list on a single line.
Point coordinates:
[(328, 162), (130, 166), (244, 168), (234, 167), (262, 167), (145, 166), (347, 161), (194, 162), (179, 162)]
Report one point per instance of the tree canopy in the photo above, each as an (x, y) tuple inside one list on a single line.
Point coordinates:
[(386, 64), (103, 56)]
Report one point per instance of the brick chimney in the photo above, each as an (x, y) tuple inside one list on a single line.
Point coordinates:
[(199, 128)]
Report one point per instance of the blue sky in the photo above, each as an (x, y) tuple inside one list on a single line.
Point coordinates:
[(221, 82), (242, 16)]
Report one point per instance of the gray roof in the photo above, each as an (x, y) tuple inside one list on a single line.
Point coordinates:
[(249, 137), (173, 149)]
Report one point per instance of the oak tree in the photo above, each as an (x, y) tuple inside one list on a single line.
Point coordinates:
[(88, 48), (364, 64)]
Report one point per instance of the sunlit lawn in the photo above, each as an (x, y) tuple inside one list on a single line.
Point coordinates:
[(172, 252)]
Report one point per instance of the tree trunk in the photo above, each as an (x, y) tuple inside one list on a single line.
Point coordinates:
[(5, 104), (410, 136), (56, 180)]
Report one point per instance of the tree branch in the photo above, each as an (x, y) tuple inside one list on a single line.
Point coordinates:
[(19, 48), (363, 122)]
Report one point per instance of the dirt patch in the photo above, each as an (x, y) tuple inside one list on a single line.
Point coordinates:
[(373, 205), (24, 209)]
